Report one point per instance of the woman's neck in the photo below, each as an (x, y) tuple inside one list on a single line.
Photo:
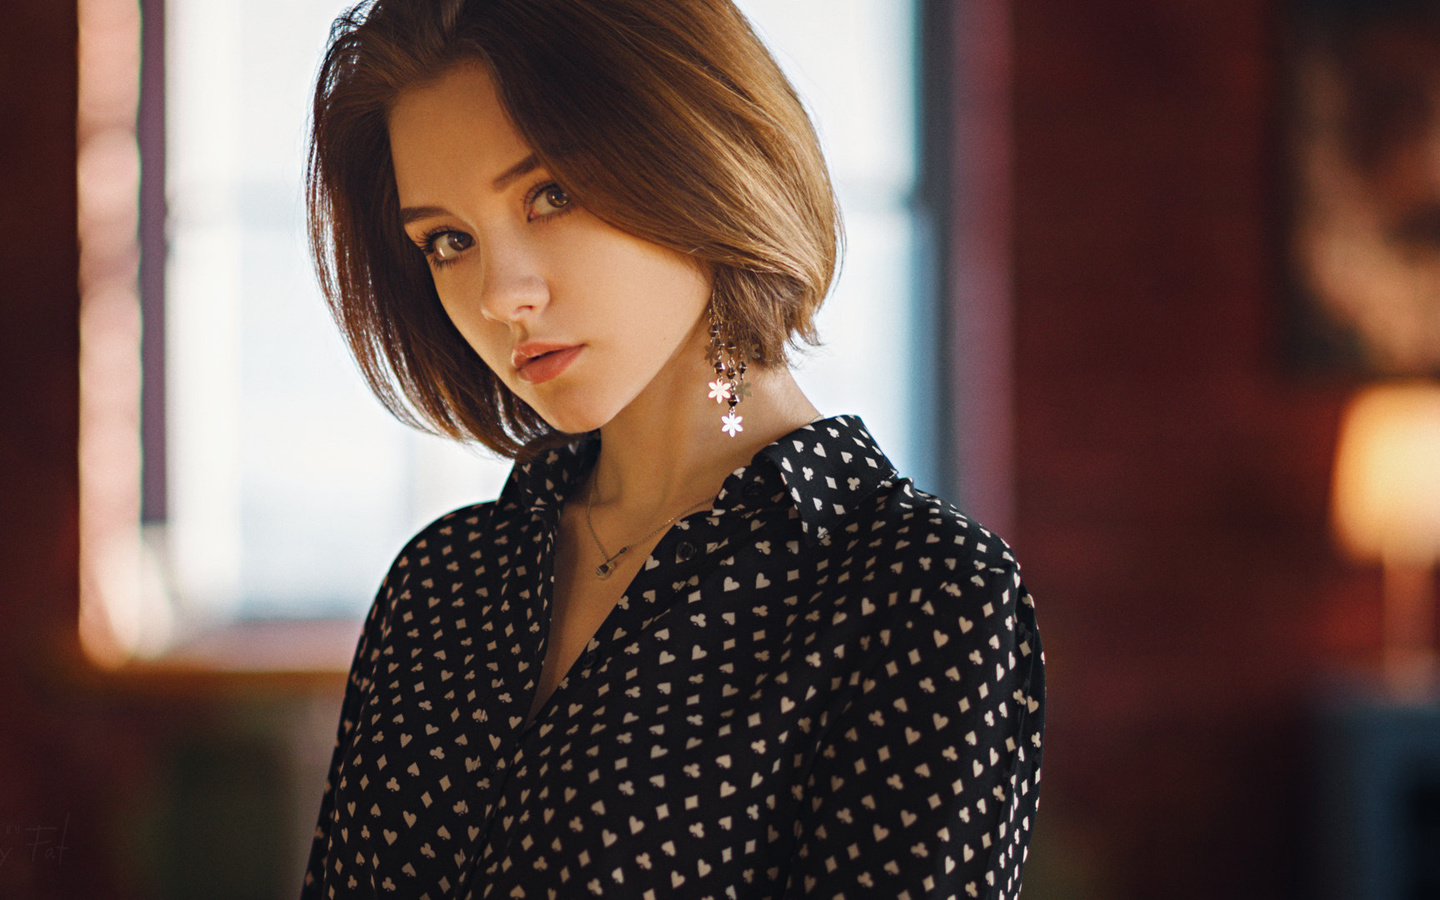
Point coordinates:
[(666, 450)]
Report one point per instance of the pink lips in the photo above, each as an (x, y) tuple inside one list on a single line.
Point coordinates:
[(539, 361)]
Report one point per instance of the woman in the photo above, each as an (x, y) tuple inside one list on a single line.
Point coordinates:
[(707, 643)]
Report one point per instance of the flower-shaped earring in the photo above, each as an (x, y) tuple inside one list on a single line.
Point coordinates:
[(729, 385)]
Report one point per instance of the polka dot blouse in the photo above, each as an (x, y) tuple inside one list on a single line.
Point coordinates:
[(827, 685)]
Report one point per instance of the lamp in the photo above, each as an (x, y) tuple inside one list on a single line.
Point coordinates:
[(1386, 507)]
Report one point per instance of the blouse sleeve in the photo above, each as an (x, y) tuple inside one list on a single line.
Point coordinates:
[(358, 685), (928, 783)]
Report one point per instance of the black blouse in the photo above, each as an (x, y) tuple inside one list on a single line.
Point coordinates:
[(828, 685)]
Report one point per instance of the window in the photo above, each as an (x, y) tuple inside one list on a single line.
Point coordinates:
[(285, 489)]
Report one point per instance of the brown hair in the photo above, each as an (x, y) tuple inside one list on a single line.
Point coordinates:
[(666, 118)]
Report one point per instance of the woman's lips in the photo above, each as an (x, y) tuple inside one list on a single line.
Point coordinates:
[(538, 362)]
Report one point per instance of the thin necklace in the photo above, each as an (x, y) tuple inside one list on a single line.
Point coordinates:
[(603, 570)]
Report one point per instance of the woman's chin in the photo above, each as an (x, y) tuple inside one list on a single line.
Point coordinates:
[(593, 407), (575, 421)]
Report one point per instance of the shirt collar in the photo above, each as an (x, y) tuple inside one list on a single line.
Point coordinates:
[(544, 481), (822, 470)]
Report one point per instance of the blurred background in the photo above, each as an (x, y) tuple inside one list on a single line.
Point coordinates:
[(1158, 288)]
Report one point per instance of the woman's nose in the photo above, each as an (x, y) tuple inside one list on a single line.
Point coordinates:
[(513, 285)]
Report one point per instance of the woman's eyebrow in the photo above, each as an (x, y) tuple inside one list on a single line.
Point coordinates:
[(411, 213), (528, 164)]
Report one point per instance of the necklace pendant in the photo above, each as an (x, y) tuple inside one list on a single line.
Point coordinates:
[(603, 570)]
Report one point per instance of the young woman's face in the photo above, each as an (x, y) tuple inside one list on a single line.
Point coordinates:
[(575, 316)]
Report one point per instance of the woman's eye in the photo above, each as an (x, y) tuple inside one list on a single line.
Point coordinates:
[(549, 200), (447, 245)]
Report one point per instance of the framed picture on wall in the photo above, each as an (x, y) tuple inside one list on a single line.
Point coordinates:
[(1363, 160)]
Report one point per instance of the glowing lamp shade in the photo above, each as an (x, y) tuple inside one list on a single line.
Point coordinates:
[(1386, 507), (1387, 475)]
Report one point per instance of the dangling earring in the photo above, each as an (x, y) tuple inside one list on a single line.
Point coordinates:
[(729, 385)]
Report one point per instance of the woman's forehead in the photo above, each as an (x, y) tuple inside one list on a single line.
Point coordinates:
[(454, 127)]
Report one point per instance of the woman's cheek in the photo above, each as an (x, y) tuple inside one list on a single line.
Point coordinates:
[(464, 316)]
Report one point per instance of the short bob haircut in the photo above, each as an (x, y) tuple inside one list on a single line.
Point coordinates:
[(668, 119)]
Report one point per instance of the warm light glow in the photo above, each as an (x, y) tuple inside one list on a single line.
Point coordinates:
[(1386, 507), (1386, 500)]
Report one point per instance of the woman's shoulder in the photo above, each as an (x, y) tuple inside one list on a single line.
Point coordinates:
[(926, 548), (848, 496), (457, 546), (947, 596), (459, 532), (902, 507)]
